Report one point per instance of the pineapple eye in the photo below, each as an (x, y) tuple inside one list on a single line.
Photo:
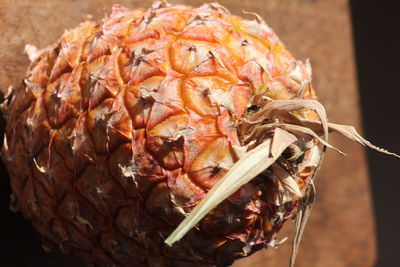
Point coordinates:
[(192, 48), (245, 42), (173, 142), (101, 122), (216, 170), (54, 97), (98, 34), (206, 92)]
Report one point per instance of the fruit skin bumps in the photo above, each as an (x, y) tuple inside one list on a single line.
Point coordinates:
[(122, 126)]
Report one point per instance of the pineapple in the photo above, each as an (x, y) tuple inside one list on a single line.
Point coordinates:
[(168, 136)]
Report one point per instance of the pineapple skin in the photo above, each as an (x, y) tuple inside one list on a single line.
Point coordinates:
[(122, 126)]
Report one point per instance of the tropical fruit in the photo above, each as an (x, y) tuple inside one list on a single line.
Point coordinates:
[(125, 126)]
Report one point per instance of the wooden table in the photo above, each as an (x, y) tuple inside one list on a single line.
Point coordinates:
[(341, 228)]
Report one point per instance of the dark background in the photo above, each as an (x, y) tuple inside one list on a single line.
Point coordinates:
[(377, 44)]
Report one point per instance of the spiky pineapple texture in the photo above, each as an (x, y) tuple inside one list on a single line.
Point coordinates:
[(123, 125)]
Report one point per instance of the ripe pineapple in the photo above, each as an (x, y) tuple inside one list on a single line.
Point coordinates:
[(122, 128)]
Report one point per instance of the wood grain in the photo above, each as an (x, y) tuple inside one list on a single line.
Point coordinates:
[(341, 229)]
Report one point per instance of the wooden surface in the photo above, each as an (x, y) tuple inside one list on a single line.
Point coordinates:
[(341, 230)]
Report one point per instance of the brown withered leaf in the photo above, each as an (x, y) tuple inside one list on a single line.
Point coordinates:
[(249, 166), (218, 59), (32, 52), (259, 19), (294, 129), (289, 184), (240, 151), (252, 162), (271, 109), (351, 133), (312, 158), (281, 139), (304, 130), (306, 205), (41, 169), (347, 131)]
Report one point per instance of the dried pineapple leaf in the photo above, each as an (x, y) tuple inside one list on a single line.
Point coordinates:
[(240, 151), (83, 221), (295, 72), (218, 59), (259, 19), (347, 131), (298, 130), (282, 138), (307, 131), (312, 158), (249, 166), (277, 106), (32, 52), (351, 133), (306, 205), (287, 180), (261, 64), (39, 168), (291, 185)]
